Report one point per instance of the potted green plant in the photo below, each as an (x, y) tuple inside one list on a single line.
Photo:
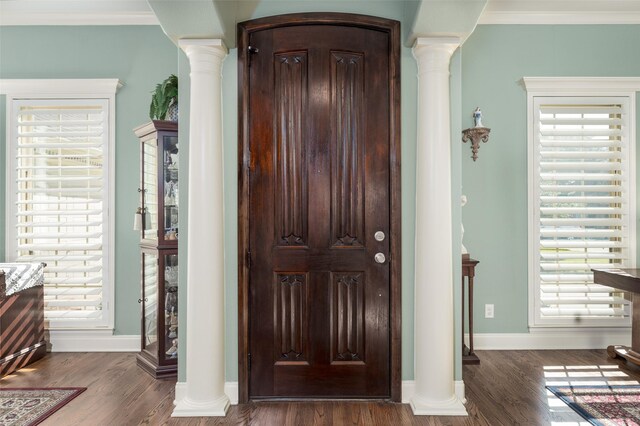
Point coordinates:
[(164, 100)]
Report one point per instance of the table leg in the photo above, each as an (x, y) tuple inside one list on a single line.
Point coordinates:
[(471, 315), (635, 323), (631, 354), (468, 357), (462, 309)]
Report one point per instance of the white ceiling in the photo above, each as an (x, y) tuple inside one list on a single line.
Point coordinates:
[(138, 12)]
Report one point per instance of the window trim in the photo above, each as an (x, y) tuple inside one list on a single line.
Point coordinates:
[(33, 89), (574, 87)]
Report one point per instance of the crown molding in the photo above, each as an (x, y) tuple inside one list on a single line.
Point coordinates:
[(138, 12), (568, 85), (59, 87), (559, 18), (76, 12), (561, 12)]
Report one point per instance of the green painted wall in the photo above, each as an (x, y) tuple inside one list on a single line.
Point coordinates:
[(486, 73), (140, 56), (494, 60)]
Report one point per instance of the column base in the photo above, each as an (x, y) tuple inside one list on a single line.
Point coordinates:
[(423, 407), (213, 408)]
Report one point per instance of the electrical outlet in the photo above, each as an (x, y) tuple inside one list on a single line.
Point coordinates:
[(488, 311)]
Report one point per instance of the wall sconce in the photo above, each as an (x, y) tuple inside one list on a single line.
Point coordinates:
[(476, 134)]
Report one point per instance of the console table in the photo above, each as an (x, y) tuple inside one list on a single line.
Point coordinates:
[(627, 280), (469, 271)]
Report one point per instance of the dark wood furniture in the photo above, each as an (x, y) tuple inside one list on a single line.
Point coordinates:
[(159, 201), (627, 280), (21, 327), (469, 271)]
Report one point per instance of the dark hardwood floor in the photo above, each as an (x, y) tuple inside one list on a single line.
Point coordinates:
[(507, 388)]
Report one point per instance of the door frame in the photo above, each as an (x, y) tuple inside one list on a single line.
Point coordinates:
[(321, 18)]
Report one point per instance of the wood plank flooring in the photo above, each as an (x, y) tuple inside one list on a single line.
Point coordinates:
[(507, 388)]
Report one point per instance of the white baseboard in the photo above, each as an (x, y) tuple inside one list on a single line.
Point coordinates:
[(409, 389), (230, 389), (550, 338), (459, 390), (181, 389), (91, 341)]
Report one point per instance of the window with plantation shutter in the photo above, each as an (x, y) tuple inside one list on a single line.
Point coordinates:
[(58, 203), (582, 214)]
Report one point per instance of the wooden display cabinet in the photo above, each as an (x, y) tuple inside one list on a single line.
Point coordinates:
[(159, 201), (159, 312), (159, 191)]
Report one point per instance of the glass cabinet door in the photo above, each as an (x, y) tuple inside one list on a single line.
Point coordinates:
[(150, 303), (171, 188), (171, 305), (150, 189), (159, 200)]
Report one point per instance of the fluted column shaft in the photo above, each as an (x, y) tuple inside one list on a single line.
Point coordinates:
[(205, 368), (434, 323)]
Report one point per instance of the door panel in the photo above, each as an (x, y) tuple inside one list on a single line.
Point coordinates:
[(319, 189)]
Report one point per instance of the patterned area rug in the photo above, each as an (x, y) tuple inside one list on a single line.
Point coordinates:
[(30, 406), (603, 405)]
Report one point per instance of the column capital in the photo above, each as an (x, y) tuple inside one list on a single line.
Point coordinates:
[(202, 52), (434, 53)]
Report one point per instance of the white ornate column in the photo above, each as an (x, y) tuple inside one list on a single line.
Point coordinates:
[(434, 373), (203, 393)]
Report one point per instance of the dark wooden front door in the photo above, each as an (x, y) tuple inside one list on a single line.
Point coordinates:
[(319, 207)]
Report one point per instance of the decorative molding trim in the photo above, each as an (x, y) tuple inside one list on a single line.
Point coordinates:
[(566, 86), (91, 341), (458, 386), (59, 88), (452, 407), (186, 407), (181, 391), (230, 389), (409, 390), (73, 12), (550, 338), (575, 17)]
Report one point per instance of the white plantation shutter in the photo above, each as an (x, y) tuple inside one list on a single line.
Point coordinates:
[(60, 155), (582, 211)]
